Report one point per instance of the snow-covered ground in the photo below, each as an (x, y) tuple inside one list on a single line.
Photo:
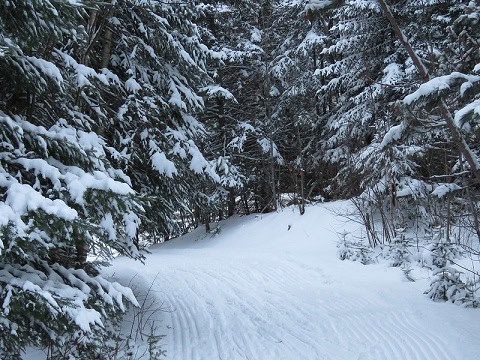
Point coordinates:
[(271, 287)]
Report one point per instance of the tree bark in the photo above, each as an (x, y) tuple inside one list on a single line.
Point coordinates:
[(107, 48), (272, 174), (301, 203), (231, 202)]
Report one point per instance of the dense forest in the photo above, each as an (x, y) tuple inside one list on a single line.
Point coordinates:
[(125, 123)]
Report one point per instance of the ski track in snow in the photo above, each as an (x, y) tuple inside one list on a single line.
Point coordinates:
[(258, 291)]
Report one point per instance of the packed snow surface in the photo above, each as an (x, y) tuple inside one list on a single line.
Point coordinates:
[(270, 287)]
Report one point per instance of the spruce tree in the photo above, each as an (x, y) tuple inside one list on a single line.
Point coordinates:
[(241, 119), (154, 52), (61, 197)]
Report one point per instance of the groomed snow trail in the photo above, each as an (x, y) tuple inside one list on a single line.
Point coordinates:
[(261, 291)]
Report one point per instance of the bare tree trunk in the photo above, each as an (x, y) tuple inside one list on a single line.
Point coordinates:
[(245, 204), (301, 204), (272, 176), (85, 59), (265, 22), (197, 216), (95, 29), (82, 252), (107, 48), (457, 137), (476, 222), (449, 219), (231, 203)]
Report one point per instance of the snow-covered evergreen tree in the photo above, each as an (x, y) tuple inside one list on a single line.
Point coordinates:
[(395, 156), (155, 54), (296, 109), (61, 196), (240, 118), (112, 112), (448, 283)]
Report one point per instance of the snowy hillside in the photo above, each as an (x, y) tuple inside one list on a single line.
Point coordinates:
[(271, 287)]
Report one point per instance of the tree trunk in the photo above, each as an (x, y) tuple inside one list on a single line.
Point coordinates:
[(231, 203), (301, 203), (272, 176), (81, 249), (207, 222), (245, 204), (107, 48)]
